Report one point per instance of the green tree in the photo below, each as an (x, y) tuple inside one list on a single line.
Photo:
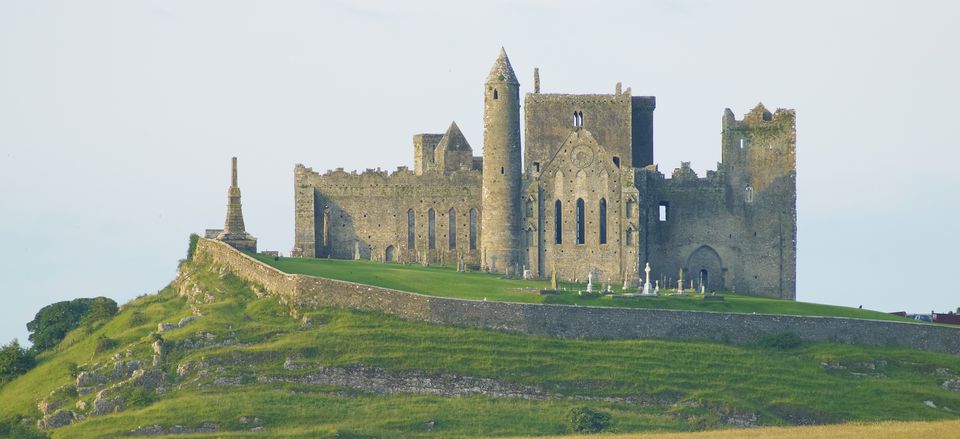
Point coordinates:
[(15, 361), (586, 420), (54, 321)]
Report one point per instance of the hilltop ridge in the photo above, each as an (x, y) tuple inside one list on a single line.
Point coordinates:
[(212, 353)]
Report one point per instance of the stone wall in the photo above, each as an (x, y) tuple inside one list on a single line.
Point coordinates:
[(578, 322), (339, 213)]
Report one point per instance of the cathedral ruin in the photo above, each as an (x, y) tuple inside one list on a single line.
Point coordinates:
[(583, 196)]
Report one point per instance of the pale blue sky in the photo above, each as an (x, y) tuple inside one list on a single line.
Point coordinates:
[(118, 119)]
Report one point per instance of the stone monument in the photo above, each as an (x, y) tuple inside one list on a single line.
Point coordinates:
[(646, 281), (234, 232)]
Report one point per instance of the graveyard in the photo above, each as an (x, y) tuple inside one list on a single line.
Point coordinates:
[(447, 281)]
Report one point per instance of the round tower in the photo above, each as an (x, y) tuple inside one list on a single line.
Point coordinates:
[(501, 168)]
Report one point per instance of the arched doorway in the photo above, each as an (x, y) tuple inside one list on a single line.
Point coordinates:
[(706, 268), (388, 254)]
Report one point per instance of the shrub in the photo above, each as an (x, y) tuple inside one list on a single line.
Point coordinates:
[(586, 420), (15, 427), (137, 318), (782, 341), (15, 361), (104, 344), (192, 248), (137, 396), (73, 369)]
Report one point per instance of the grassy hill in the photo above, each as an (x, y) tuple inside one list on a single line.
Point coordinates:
[(246, 366), (447, 282)]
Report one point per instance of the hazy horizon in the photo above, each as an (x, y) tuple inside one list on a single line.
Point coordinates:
[(118, 121)]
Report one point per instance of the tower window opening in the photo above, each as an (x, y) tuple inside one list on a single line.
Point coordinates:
[(629, 236), (495, 95), (501, 170), (577, 119), (558, 222), (536, 166), (630, 208), (603, 221), (616, 161), (748, 194), (581, 229), (664, 212), (741, 143)]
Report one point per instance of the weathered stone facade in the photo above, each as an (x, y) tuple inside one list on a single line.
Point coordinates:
[(586, 198)]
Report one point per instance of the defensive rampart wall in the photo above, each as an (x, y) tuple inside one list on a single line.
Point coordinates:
[(577, 321)]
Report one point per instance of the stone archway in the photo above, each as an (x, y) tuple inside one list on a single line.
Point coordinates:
[(388, 254), (704, 265)]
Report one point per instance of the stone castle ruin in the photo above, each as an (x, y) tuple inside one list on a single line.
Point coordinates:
[(585, 197)]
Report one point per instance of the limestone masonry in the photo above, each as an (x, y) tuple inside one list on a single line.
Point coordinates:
[(233, 232), (586, 197)]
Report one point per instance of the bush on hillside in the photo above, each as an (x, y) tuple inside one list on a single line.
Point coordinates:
[(586, 420), (54, 321), (137, 318), (782, 341), (192, 248), (72, 369), (15, 427), (15, 361), (104, 344)]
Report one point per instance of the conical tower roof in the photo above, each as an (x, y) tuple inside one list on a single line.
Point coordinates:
[(453, 140), (502, 71)]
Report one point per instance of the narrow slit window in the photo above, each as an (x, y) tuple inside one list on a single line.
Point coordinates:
[(495, 95), (473, 229), (558, 220), (452, 233), (603, 221), (411, 229), (431, 229), (581, 227)]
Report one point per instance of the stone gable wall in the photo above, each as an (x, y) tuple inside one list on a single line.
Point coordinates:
[(577, 322), (368, 212)]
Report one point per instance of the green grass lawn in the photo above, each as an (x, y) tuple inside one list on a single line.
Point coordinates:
[(447, 282), (702, 382)]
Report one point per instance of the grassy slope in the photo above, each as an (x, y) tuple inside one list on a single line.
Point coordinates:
[(710, 380), (444, 281), (880, 430)]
